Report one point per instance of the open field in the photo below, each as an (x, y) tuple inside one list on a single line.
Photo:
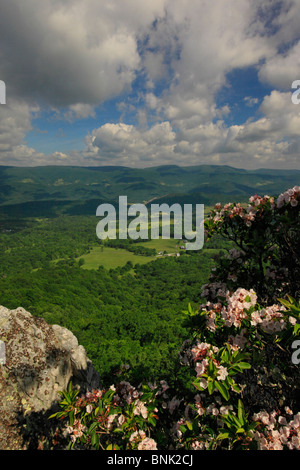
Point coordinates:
[(168, 245), (111, 258)]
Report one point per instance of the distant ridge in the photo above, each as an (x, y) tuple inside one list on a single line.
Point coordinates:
[(53, 190)]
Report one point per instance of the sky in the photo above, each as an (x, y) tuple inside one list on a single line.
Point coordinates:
[(147, 83)]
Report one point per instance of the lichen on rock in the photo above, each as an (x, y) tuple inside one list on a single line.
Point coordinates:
[(40, 360)]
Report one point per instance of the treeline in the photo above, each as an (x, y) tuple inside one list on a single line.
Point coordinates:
[(132, 314), (118, 317), (45, 240), (131, 245)]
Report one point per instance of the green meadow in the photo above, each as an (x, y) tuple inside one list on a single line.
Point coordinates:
[(167, 245), (111, 258)]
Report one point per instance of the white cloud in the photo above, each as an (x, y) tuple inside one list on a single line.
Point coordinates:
[(79, 111), (127, 144), (71, 56), (250, 101), (69, 52), (15, 123), (282, 69), (272, 140), (212, 39)]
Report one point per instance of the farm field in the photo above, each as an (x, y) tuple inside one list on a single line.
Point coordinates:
[(111, 258), (168, 245)]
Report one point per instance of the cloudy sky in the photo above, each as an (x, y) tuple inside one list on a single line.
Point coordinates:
[(143, 83)]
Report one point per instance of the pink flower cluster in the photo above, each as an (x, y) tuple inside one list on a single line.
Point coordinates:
[(291, 196), (131, 395), (256, 204), (271, 319), (147, 444), (140, 409), (143, 442), (216, 408), (214, 290), (113, 419), (201, 353), (127, 393), (238, 341), (231, 210), (76, 431), (237, 303), (90, 397), (234, 309), (275, 431)]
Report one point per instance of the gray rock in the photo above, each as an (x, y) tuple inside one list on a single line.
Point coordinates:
[(38, 361)]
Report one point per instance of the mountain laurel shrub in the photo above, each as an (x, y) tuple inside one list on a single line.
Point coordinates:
[(239, 384)]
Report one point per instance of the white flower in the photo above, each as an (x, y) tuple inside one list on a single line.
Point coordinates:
[(147, 444), (222, 373), (121, 420), (89, 408), (140, 409)]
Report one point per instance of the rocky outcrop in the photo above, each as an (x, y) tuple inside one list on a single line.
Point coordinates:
[(37, 361)]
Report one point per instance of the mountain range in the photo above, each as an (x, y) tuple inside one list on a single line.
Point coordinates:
[(53, 190)]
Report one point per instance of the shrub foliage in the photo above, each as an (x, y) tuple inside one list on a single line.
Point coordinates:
[(239, 382)]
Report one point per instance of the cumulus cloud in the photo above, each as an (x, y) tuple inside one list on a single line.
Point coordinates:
[(122, 143), (262, 143), (15, 122), (68, 52), (165, 61), (282, 69), (79, 111)]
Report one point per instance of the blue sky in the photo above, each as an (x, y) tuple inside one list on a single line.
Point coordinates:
[(143, 84)]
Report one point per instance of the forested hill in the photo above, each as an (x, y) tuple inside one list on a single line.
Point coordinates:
[(54, 190)]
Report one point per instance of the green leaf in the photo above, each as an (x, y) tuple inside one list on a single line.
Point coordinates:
[(211, 386), (100, 407), (240, 430), (152, 421), (72, 417), (235, 387), (244, 365), (112, 447), (223, 435), (241, 410), (296, 328), (92, 426), (95, 440), (189, 425), (237, 422), (223, 390), (182, 428)]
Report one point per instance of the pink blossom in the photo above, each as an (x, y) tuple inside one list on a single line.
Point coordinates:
[(222, 373), (89, 408), (147, 444), (137, 435), (173, 404), (110, 421), (140, 409), (203, 383)]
